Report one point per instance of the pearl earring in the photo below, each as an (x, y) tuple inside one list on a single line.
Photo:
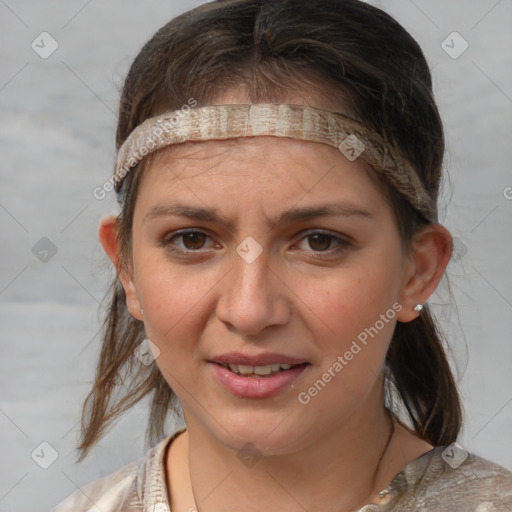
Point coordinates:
[(418, 308)]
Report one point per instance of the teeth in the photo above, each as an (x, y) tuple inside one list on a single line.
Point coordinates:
[(263, 370), (244, 369)]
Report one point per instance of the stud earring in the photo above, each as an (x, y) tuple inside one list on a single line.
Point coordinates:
[(141, 311), (418, 308)]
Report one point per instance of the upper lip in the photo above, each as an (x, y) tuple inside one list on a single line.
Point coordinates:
[(256, 360)]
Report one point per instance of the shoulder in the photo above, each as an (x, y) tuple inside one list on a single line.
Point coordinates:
[(450, 479), (126, 489), (104, 494)]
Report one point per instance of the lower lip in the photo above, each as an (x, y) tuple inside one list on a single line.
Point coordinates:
[(255, 387)]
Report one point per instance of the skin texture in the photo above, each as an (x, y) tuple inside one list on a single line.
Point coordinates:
[(299, 297)]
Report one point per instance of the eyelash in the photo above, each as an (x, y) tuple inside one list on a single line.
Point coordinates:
[(342, 243)]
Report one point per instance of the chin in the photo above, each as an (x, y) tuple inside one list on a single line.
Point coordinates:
[(266, 433)]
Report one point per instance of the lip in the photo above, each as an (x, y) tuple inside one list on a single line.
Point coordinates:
[(256, 387), (255, 360)]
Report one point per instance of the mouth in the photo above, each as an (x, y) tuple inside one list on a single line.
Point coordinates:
[(260, 372), (267, 376)]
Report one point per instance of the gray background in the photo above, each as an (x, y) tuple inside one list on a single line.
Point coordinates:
[(57, 145)]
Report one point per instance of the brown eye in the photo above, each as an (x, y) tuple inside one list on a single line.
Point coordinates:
[(320, 242), (193, 241), (186, 241)]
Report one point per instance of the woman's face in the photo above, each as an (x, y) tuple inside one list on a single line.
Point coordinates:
[(267, 251)]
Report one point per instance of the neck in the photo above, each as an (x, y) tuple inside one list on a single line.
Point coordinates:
[(340, 472)]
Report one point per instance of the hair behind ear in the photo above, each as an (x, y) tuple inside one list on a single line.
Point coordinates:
[(419, 371), (122, 380)]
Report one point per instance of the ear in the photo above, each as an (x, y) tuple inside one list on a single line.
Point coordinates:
[(431, 252), (107, 235)]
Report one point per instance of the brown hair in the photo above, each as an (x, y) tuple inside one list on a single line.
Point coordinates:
[(345, 49)]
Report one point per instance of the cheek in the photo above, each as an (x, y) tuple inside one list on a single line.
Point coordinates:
[(356, 299), (359, 306), (173, 298), (174, 322)]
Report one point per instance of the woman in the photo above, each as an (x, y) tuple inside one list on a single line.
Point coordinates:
[(278, 172)]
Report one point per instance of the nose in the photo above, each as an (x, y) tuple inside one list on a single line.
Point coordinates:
[(253, 296)]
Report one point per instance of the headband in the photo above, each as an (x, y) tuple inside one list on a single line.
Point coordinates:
[(221, 122)]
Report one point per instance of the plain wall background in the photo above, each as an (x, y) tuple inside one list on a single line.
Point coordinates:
[(58, 119)]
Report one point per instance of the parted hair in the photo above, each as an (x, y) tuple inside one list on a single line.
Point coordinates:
[(349, 51)]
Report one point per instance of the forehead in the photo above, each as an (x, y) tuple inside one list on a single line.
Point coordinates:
[(263, 157), (264, 168)]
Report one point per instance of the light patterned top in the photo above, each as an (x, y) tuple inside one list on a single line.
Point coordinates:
[(429, 483)]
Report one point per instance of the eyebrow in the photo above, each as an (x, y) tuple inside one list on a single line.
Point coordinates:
[(288, 216)]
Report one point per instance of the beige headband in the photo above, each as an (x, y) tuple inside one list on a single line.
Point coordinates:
[(221, 122)]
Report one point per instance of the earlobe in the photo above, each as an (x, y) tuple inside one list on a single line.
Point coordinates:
[(432, 249), (107, 235)]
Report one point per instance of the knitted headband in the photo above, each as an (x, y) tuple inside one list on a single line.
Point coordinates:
[(221, 122)]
